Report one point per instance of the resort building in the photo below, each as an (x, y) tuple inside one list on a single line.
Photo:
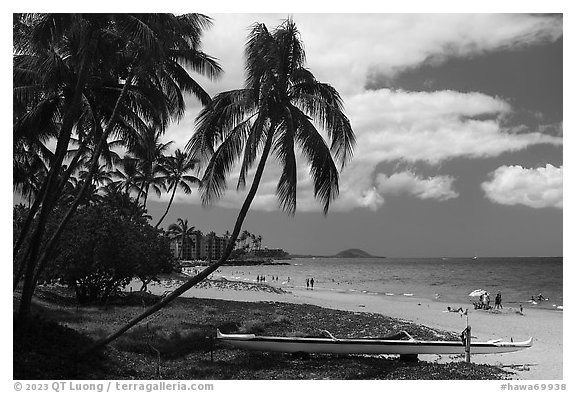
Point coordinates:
[(198, 247)]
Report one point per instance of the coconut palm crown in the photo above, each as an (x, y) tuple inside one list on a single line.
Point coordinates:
[(274, 113)]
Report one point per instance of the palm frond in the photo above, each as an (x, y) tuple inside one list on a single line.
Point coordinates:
[(323, 103), (214, 180), (322, 168), (254, 142), (284, 150)]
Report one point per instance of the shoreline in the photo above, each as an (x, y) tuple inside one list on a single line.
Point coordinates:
[(541, 362)]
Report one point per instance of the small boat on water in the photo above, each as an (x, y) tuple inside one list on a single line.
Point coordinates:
[(402, 344)]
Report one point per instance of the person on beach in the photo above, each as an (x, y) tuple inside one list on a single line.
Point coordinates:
[(498, 301), (307, 283), (312, 282), (485, 301)]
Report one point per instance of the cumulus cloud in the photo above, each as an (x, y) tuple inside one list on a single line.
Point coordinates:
[(434, 126), (533, 187), (430, 127), (437, 187), (390, 125)]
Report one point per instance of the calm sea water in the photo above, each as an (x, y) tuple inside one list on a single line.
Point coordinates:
[(442, 279)]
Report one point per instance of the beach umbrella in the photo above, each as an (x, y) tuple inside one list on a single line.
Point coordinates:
[(478, 292)]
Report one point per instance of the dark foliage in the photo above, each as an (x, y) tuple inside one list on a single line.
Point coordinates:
[(103, 248)]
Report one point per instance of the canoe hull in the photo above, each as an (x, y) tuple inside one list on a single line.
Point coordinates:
[(364, 346)]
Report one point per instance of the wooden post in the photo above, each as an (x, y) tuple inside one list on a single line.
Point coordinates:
[(468, 337)]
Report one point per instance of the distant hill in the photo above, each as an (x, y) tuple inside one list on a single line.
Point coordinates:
[(350, 253), (353, 253)]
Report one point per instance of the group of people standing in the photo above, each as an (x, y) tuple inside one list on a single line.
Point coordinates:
[(263, 278), (310, 283), (485, 301)]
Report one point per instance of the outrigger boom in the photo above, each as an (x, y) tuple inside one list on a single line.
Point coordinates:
[(333, 345)]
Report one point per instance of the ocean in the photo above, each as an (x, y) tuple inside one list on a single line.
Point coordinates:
[(440, 279)]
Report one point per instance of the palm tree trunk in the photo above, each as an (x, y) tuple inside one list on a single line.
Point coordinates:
[(33, 273), (211, 268), (36, 204), (146, 196), (34, 210), (49, 197), (169, 204)]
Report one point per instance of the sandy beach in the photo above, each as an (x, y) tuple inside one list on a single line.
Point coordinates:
[(541, 362)]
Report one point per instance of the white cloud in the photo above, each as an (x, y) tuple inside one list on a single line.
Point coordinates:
[(388, 43), (434, 126), (437, 187), (515, 185), (395, 125), (390, 125)]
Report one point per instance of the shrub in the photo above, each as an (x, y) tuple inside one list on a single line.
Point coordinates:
[(101, 250)]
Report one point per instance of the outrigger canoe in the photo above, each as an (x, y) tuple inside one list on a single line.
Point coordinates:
[(386, 345)]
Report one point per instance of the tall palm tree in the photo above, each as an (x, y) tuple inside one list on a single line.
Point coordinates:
[(132, 64), (176, 168), (181, 231), (272, 114), (149, 151)]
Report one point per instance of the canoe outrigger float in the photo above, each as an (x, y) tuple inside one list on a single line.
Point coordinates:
[(384, 345)]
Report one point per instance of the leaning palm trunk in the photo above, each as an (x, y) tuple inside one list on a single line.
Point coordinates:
[(211, 268), (34, 210), (49, 197), (169, 204), (36, 205)]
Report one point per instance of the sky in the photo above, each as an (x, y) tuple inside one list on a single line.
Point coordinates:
[(459, 127)]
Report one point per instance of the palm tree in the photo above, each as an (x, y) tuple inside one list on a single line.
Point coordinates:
[(29, 171), (176, 168), (149, 151), (272, 114), (211, 237), (120, 73), (182, 232), (259, 244), (126, 174), (243, 237)]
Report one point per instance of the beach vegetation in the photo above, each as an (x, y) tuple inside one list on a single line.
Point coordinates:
[(102, 250)]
